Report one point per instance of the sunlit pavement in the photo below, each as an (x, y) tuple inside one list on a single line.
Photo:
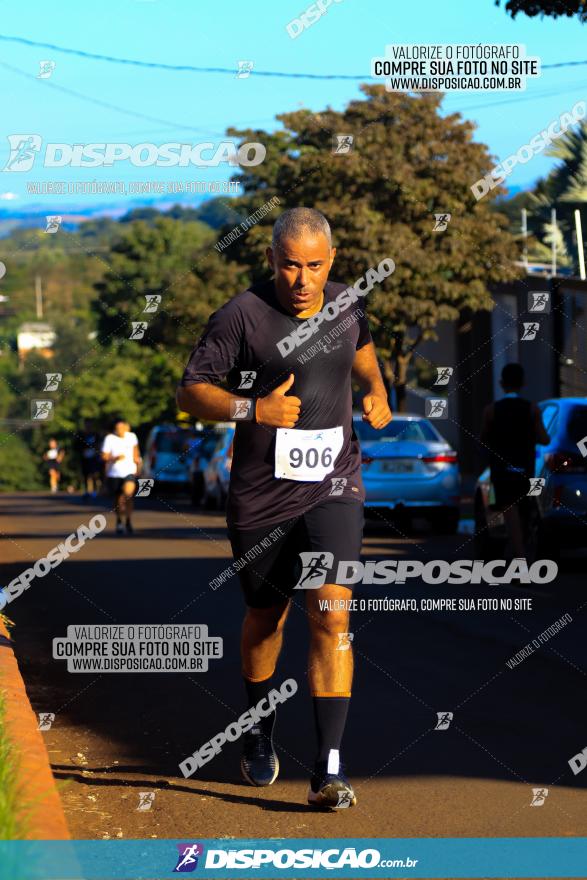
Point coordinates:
[(116, 735)]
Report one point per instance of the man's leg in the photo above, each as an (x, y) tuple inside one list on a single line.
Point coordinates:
[(116, 488), (330, 668), (128, 491), (119, 505), (514, 529), (261, 639), (335, 526)]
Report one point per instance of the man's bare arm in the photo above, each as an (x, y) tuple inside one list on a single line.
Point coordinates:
[(278, 409), (205, 401), (366, 371)]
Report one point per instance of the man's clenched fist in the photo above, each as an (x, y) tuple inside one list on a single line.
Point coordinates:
[(376, 411)]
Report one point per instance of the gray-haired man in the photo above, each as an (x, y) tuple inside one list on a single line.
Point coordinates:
[(303, 337)]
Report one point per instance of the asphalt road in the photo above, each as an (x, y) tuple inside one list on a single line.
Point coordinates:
[(118, 734)]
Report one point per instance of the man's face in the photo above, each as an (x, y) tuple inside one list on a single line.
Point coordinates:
[(120, 429), (301, 268)]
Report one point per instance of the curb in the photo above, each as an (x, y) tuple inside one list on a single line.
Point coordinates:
[(44, 812)]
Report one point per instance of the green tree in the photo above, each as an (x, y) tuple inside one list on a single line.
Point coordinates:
[(407, 164), (175, 260), (565, 189), (20, 471), (553, 8)]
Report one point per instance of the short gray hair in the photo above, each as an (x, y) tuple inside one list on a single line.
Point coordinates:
[(293, 222)]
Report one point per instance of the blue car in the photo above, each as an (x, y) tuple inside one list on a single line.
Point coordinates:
[(168, 452), (217, 471), (558, 514), (409, 467)]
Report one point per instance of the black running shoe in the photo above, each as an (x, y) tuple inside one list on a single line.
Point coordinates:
[(330, 790), (129, 528), (259, 763), (119, 528)]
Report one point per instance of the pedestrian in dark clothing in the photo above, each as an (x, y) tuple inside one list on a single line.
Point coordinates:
[(512, 426)]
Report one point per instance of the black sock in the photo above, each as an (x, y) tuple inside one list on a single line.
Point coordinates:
[(256, 691), (330, 718)]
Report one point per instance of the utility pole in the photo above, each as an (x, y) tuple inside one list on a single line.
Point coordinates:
[(553, 241), (39, 296), (525, 237), (580, 245)]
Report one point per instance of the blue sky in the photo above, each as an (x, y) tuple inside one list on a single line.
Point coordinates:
[(201, 106)]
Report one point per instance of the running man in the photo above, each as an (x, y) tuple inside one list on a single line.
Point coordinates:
[(88, 446), (120, 452), (511, 428), (53, 458), (296, 444)]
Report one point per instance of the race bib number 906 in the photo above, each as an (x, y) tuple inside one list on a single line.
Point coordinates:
[(306, 456)]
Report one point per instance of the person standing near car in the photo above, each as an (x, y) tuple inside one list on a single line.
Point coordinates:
[(511, 428), (294, 444), (120, 453)]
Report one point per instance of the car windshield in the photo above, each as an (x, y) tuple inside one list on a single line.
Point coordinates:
[(419, 431), (577, 426)]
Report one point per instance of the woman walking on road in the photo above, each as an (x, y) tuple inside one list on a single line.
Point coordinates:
[(53, 458)]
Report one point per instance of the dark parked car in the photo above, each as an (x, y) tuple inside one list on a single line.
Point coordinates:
[(557, 516)]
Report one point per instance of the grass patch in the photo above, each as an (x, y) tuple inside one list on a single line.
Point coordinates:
[(6, 621), (11, 824)]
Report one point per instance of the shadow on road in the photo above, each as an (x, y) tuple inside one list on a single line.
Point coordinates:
[(521, 724)]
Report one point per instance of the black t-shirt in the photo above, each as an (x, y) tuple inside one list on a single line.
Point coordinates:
[(512, 436), (242, 336)]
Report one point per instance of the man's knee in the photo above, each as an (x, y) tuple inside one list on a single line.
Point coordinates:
[(270, 620), (329, 623)]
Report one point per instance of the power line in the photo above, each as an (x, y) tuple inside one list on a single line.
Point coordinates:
[(522, 98), (226, 70), (178, 67), (106, 104)]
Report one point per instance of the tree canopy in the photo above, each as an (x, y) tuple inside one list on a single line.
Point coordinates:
[(552, 8), (407, 164)]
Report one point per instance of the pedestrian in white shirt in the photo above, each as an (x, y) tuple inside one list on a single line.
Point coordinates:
[(120, 452)]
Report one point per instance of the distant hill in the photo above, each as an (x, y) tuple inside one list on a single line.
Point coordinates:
[(208, 209)]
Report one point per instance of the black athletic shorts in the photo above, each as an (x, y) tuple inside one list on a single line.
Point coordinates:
[(272, 568), (115, 484), (91, 466), (510, 486)]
